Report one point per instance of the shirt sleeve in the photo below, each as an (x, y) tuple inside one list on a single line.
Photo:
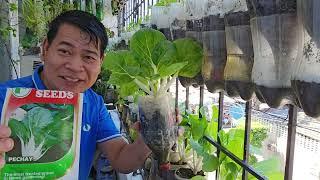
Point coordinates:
[(3, 92), (106, 127)]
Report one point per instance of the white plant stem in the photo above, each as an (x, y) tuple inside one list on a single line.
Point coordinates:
[(143, 87), (165, 87)]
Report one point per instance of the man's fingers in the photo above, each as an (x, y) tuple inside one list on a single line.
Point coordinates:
[(6, 144), (4, 131), (136, 126)]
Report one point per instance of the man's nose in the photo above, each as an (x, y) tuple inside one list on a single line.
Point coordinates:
[(75, 65)]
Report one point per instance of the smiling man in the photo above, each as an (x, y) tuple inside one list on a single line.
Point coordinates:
[(72, 54)]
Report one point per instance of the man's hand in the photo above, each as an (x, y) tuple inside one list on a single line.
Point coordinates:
[(6, 143)]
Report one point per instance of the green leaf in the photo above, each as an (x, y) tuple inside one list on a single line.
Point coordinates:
[(164, 52), (19, 129), (236, 142), (122, 63), (274, 175), (210, 163), (189, 51), (231, 176), (143, 43), (198, 178), (128, 89), (212, 130), (223, 137), (119, 79), (184, 122), (197, 147), (198, 127), (215, 113), (232, 167), (164, 57), (222, 157), (268, 166), (38, 117), (171, 69)]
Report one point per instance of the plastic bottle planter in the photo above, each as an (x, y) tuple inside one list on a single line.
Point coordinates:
[(193, 30), (306, 82), (195, 81), (214, 43), (275, 43), (178, 19), (165, 20), (158, 125), (160, 18), (237, 72), (178, 29)]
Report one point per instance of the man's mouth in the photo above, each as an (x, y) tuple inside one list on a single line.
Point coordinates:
[(71, 79)]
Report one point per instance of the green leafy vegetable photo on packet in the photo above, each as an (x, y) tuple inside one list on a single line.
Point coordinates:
[(46, 129)]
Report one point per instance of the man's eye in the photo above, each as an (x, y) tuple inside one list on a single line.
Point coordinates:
[(65, 52), (90, 58)]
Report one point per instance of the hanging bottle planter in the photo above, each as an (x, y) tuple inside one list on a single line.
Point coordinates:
[(194, 25), (160, 18), (214, 44), (178, 21), (275, 43), (306, 77), (237, 72)]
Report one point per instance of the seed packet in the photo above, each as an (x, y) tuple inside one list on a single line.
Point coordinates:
[(46, 129)]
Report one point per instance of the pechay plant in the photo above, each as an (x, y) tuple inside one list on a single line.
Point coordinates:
[(196, 128), (153, 63), (42, 129)]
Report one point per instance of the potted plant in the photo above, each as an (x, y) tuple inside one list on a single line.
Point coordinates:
[(237, 72), (200, 152), (152, 65), (305, 80), (275, 42)]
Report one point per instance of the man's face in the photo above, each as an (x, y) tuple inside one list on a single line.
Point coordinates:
[(71, 62)]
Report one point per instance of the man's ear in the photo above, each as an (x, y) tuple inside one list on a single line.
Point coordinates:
[(44, 49)]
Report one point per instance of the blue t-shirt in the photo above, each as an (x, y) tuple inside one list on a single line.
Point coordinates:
[(97, 125)]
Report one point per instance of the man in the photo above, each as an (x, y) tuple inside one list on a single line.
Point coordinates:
[(72, 54)]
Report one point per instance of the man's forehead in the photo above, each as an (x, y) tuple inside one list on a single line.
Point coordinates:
[(76, 36)]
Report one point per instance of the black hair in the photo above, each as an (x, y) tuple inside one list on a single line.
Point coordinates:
[(85, 21)]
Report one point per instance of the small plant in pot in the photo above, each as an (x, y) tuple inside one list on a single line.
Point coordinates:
[(152, 64), (201, 151), (275, 42)]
